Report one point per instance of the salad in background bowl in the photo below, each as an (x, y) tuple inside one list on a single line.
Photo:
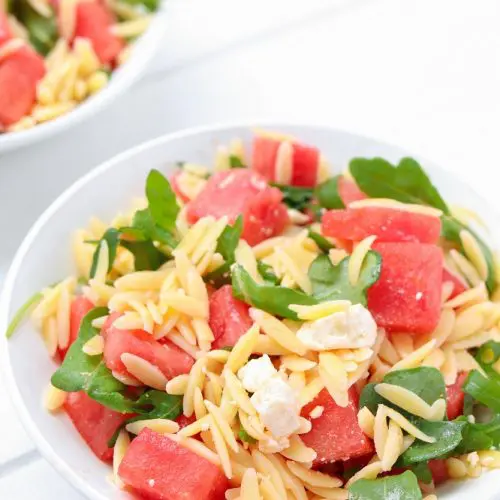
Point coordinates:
[(261, 321), (66, 58)]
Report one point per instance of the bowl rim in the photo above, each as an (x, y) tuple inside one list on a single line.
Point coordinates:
[(126, 75), (42, 445)]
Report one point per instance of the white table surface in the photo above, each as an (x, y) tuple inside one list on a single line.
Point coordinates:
[(424, 75)]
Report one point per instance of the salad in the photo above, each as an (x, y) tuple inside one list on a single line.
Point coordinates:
[(263, 329), (54, 54)]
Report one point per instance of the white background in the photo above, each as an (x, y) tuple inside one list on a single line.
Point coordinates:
[(422, 74)]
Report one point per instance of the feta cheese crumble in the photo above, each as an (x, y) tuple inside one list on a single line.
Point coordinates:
[(256, 372), (349, 329), (278, 407)]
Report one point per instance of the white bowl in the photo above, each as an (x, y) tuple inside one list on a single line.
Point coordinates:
[(122, 79), (45, 257)]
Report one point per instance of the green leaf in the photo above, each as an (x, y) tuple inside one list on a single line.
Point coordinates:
[(331, 282), (245, 437), (112, 238), (235, 162), (448, 436), (484, 390), (425, 381), (327, 193), (422, 471), (42, 31), (267, 273), (487, 355), (295, 197), (323, 244), (144, 228), (22, 312), (162, 201), (406, 182), (80, 372), (481, 436), (150, 5), (402, 487), (273, 299), (226, 246), (147, 257), (450, 230)]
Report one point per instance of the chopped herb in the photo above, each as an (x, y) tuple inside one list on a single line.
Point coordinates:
[(295, 197), (235, 162), (327, 193), (267, 273), (323, 244), (331, 282)]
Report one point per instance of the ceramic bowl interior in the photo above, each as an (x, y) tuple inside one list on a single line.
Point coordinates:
[(45, 257)]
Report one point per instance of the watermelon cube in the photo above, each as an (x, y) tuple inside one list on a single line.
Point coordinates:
[(79, 308), (335, 435), (95, 423), (93, 21), (305, 161), (388, 224), (455, 397), (171, 360), (439, 470), (19, 75), (158, 468), (459, 284), (407, 296), (242, 192), (5, 31), (349, 191), (229, 318)]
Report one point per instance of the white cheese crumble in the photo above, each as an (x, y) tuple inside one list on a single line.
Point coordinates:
[(256, 372), (350, 329), (278, 407), (271, 445), (317, 411), (151, 482)]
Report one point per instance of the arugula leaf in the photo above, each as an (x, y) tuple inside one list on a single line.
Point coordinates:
[(487, 355), (422, 471), (480, 436), (484, 390), (112, 238), (22, 312), (245, 437), (448, 436), (331, 282), (146, 255), (42, 31), (295, 197), (226, 246), (425, 381), (407, 182), (150, 5), (162, 202), (235, 162), (267, 273), (450, 230), (152, 404), (401, 487), (273, 299), (327, 193), (323, 244), (80, 372), (145, 228)]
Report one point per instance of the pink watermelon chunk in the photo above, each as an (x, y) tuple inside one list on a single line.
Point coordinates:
[(79, 308), (19, 75), (242, 192), (335, 435), (229, 318), (158, 468), (349, 191), (407, 296), (95, 423), (93, 21), (305, 163), (459, 285), (455, 397), (5, 31), (387, 224), (171, 360)]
